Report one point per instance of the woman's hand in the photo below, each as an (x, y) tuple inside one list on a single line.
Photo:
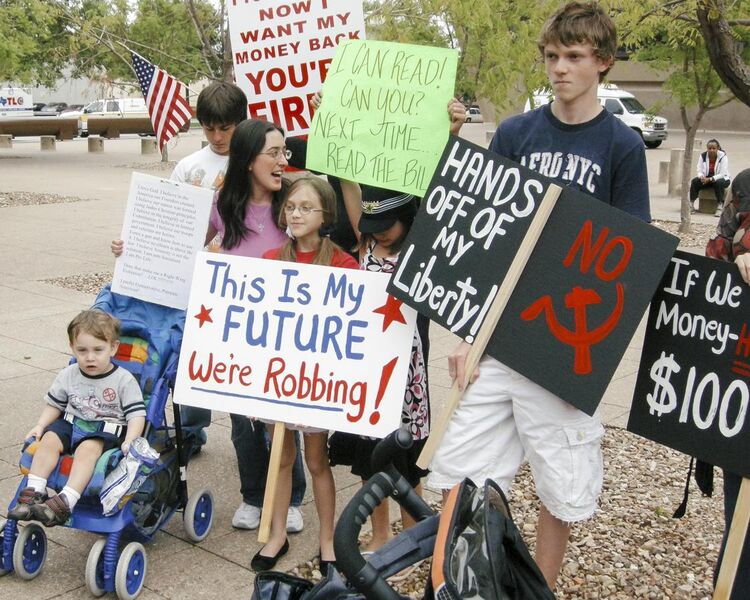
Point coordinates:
[(117, 247)]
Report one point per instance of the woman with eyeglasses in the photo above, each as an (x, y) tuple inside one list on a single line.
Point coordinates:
[(245, 214), (247, 207)]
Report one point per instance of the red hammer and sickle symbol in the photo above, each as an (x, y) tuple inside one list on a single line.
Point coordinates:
[(581, 339)]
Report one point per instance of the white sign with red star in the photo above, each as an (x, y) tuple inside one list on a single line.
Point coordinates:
[(303, 344)]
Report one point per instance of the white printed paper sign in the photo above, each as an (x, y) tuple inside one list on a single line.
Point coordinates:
[(304, 344), (164, 227), (282, 50)]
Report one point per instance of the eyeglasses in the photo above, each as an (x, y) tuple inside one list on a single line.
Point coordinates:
[(303, 210), (276, 153)]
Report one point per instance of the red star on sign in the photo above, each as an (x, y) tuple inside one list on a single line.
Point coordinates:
[(204, 315), (391, 312)]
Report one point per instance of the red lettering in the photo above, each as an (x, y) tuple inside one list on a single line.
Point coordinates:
[(627, 251), (272, 374), (743, 343), (288, 112), (588, 254), (219, 371), (284, 10), (255, 79), (193, 374)]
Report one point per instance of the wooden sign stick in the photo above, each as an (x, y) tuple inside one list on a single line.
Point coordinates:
[(437, 431), (735, 543), (272, 480)]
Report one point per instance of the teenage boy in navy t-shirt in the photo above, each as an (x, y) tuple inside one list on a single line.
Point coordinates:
[(504, 417)]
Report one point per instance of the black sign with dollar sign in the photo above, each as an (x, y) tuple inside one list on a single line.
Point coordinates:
[(693, 388)]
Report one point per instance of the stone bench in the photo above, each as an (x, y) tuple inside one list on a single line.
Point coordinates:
[(707, 201)]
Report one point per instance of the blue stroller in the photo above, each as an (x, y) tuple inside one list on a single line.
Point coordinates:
[(149, 348)]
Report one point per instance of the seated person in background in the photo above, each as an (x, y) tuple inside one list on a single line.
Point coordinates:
[(713, 172), (92, 406)]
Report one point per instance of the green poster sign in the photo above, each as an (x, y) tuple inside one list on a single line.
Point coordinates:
[(384, 119)]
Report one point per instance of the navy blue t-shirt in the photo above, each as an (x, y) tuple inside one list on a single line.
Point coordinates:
[(602, 157)]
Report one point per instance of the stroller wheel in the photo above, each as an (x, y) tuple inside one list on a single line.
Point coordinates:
[(199, 515), (131, 571), (2, 537), (30, 551), (95, 568)]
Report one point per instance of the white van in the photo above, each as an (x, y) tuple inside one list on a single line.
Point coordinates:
[(16, 102), (625, 107), (111, 107)]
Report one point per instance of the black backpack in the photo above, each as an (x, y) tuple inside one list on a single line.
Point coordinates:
[(479, 552)]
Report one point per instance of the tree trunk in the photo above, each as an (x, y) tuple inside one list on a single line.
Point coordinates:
[(687, 170), (227, 66), (723, 49), (206, 51)]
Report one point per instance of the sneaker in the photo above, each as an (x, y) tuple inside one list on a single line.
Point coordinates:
[(294, 521), (22, 511), (53, 512), (246, 516)]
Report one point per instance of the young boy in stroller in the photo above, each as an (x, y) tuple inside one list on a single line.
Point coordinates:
[(145, 357), (92, 406)]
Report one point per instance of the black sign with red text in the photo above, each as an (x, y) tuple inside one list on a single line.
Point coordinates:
[(581, 298), (582, 292), (693, 386)]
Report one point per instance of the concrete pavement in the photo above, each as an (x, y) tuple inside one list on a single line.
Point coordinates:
[(41, 242)]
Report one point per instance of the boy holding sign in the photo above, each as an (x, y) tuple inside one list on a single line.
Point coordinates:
[(504, 417)]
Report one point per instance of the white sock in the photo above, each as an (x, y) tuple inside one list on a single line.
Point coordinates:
[(71, 496), (38, 484)]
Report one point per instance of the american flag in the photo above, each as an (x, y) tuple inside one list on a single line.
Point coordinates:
[(168, 110)]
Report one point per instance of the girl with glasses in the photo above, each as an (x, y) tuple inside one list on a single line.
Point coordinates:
[(308, 214)]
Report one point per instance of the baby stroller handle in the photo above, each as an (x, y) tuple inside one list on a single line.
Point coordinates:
[(358, 571), (389, 482)]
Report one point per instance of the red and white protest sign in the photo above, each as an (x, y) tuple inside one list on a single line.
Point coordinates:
[(282, 50), (304, 344)]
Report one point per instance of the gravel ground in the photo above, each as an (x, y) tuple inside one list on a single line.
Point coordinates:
[(697, 238), (150, 166), (8, 199), (632, 548), (89, 283)]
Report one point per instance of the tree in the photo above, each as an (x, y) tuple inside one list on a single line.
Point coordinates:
[(694, 84), (32, 39), (39, 38), (668, 37), (728, 54), (496, 40)]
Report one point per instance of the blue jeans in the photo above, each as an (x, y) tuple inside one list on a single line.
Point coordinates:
[(192, 416), (252, 446), (741, 588)]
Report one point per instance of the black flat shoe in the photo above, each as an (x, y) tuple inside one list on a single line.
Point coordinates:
[(325, 564), (266, 563)]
